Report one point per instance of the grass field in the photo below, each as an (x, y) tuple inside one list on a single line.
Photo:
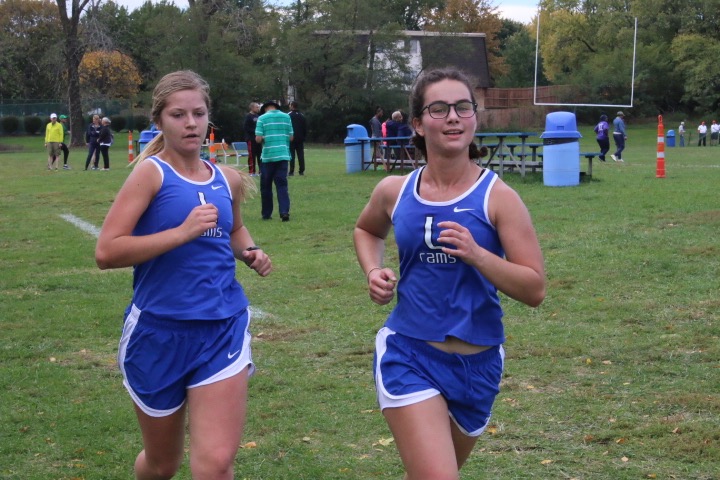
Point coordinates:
[(615, 376)]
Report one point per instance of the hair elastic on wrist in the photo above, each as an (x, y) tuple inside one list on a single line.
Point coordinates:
[(372, 270)]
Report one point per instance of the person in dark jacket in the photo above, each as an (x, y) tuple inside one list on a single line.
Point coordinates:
[(105, 140), (254, 148), (297, 145), (91, 135)]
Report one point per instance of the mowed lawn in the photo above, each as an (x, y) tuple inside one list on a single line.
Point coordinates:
[(615, 376)]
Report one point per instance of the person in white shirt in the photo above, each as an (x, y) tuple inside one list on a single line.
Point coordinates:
[(714, 133), (702, 134), (681, 133)]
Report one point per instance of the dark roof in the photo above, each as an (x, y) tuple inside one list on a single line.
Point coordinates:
[(465, 51)]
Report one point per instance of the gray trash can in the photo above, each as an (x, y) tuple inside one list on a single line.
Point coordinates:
[(146, 136), (670, 138), (561, 150), (357, 148)]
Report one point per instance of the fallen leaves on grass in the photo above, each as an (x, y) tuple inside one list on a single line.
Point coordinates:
[(384, 442)]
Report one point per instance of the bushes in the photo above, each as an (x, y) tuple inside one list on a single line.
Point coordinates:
[(118, 122), (10, 125), (140, 123), (33, 124)]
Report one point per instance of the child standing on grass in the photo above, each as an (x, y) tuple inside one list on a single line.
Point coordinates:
[(185, 346), (462, 235)]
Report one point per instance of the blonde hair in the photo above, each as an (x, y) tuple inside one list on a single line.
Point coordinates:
[(172, 83)]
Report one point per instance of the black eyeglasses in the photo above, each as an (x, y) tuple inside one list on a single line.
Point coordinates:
[(440, 110)]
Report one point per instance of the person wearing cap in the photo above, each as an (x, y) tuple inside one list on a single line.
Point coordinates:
[(619, 136), (681, 133), (63, 145), (702, 134), (603, 139), (714, 133), (53, 138), (274, 130)]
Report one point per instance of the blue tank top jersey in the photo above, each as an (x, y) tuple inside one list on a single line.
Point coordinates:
[(439, 295), (195, 281)]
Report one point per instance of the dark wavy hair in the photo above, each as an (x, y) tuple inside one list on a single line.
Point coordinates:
[(417, 103)]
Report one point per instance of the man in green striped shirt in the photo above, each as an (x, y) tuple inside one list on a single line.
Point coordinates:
[(274, 130)]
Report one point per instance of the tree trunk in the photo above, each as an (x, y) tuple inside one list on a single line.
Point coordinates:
[(73, 56)]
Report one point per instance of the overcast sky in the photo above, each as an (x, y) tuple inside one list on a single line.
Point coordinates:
[(518, 10)]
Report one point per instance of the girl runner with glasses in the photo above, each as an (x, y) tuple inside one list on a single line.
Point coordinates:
[(462, 235)]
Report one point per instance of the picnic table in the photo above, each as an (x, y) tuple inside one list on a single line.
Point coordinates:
[(393, 152), (503, 150)]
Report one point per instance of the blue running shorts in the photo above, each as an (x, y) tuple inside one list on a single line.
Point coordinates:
[(408, 371), (160, 359)]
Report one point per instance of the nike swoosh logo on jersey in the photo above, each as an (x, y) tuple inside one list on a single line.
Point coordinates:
[(215, 187), (231, 355), (458, 210)]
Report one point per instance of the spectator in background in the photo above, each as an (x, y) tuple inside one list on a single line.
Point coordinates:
[(254, 148), (63, 145), (619, 136), (714, 133), (53, 139), (397, 128), (702, 134), (297, 145), (602, 130), (105, 140), (91, 136), (376, 124), (274, 130), (681, 133)]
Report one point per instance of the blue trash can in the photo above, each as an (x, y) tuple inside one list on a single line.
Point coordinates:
[(561, 150), (146, 136), (670, 138), (357, 148)]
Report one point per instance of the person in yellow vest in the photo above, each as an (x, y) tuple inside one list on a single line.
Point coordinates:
[(54, 133)]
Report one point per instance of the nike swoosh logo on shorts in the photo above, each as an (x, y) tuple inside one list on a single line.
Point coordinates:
[(231, 355), (215, 187), (458, 210)]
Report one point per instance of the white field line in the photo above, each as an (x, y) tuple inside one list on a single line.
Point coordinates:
[(91, 229), (81, 224)]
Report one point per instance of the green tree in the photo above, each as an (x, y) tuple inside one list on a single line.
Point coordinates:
[(700, 71), (518, 52), (31, 45)]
